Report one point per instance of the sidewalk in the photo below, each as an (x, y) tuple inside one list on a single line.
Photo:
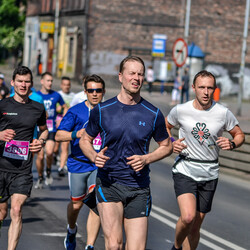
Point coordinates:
[(155, 97)]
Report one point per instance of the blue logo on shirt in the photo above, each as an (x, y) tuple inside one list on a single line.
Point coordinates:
[(142, 123)]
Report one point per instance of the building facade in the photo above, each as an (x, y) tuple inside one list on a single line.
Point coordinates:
[(94, 35)]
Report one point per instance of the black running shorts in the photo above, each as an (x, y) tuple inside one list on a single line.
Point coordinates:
[(136, 201), (203, 190), (11, 183)]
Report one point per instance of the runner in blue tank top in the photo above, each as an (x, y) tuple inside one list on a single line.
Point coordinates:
[(50, 99), (126, 124), (82, 172)]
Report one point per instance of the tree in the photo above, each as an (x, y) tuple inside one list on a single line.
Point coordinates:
[(12, 17)]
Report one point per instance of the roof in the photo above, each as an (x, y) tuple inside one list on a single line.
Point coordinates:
[(195, 51)]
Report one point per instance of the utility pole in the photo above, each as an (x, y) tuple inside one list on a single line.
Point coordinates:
[(85, 39), (243, 56), (186, 31), (54, 58)]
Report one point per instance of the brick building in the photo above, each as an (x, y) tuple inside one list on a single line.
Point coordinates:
[(105, 31)]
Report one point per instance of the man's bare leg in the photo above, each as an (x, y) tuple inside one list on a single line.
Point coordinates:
[(187, 206), (136, 233), (111, 215), (93, 226), (192, 240), (72, 212), (15, 229)]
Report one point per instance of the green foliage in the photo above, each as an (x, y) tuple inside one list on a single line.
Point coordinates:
[(11, 24), (14, 40)]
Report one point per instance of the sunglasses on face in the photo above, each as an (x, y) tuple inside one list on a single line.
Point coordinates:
[(91, 91)]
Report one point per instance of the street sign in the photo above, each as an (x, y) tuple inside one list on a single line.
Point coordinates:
[(180, 52), (159, 45), (47, 27)]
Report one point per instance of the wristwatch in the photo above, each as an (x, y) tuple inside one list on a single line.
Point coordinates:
[(233, 146), (44, 141)]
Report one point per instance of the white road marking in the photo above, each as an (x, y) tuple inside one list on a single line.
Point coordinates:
[(56, 234), (202, 231)]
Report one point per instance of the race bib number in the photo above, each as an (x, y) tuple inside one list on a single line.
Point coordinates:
[(50, 125), (16, 150), (97, 143)]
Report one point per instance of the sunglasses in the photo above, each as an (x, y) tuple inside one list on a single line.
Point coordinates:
[(91, 91)]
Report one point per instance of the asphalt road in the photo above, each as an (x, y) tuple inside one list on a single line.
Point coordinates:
[(226, 227)]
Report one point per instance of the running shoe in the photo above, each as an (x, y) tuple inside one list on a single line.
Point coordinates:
[(70, 240), (48, 179), (39, 183), (89, 247), (61, 172)]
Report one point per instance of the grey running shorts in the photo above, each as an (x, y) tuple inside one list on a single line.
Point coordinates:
[(80, 183)]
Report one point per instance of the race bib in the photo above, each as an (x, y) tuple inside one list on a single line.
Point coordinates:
[(50, 125), (16, 150), (97, 143)]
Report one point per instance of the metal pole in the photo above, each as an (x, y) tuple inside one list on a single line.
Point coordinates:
[(85, 40), (54, 61), (243, 55), (186, 32)]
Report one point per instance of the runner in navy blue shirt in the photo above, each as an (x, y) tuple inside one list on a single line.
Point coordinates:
[(82, 172), (126, 124), (50, 99)]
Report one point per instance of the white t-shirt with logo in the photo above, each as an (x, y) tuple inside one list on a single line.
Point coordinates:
[(201, 129), (67, 97)]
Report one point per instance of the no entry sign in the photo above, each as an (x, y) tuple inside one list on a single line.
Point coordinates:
[(180, 52)]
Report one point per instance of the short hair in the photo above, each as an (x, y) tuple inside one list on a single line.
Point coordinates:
[(204, 73), (22, 70), (93, 78), (65, 78), (45, 73), (131, 58)]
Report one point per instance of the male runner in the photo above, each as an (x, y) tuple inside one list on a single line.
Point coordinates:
[(82, 172), (126, 124), (67, 96), (50, 99), (196, 170), (4, 91), (18, 118)]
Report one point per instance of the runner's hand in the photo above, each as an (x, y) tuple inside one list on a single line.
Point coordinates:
[(80, 132), (101, 159), (224, 143), (7, 135), (137, 162), (36, 146), (178, 146)]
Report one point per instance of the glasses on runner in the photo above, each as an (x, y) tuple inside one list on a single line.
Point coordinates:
[(91, 91)]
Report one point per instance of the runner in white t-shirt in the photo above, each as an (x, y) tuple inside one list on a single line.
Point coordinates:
[(79, 97), (201, 124)]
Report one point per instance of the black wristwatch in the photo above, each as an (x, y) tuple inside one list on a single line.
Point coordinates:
[(233, 146), (44, 141)]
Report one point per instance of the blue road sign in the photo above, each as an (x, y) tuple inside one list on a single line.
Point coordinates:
[(159, 45)]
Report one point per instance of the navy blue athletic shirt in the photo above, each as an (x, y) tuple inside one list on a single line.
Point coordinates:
[(126, 130)]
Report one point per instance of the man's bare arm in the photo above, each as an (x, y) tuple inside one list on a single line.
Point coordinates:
[(86, 145), (62, 135)]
